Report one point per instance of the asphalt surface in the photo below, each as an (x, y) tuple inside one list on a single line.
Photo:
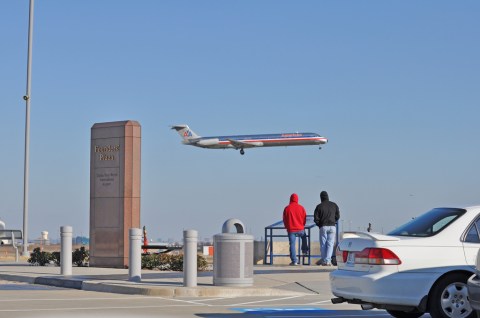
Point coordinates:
[(278, 291), (23, 300)]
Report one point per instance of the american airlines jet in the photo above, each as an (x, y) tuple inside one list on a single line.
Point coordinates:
[(240, 142)]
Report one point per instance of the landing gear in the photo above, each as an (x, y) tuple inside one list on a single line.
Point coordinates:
[(242, 152)]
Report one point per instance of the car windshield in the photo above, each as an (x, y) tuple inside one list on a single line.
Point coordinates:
[(430, 223)]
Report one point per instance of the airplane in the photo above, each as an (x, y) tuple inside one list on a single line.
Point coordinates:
[(240, 142)]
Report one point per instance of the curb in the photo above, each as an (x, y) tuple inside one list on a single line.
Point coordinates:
[(59, 282), (18, 278), (148, 289), (116, 288), (172, 292)]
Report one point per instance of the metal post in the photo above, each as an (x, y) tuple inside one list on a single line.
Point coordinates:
[(66, 250), (309, 247), (135, 255), (335, 244), (298, 240), (265, 249), (271, 246), (27, 131), (190, 238)]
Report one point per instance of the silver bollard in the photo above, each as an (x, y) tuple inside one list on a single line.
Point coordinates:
[(135, 255), (14, 244), (190, 238), (66, 250)]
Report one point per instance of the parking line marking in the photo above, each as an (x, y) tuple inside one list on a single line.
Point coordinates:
[(271, 310), (189, 302), (218, 298), (321, 302), (262, 301)]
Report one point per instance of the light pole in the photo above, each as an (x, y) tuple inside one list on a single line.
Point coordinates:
[(27, 132)]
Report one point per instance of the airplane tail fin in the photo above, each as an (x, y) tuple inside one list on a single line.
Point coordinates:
[(185, 132)]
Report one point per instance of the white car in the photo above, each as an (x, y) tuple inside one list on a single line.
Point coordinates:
[(422, 266), (473, 285)]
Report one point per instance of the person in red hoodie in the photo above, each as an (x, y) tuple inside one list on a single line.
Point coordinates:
[(294, 219)]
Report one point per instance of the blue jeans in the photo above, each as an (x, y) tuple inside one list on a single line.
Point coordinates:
[(327, 241), (292, 238)]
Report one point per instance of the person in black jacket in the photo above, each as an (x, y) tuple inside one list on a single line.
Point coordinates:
[(326, 216)]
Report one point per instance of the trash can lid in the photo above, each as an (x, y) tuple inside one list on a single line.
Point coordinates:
[(233, 226)]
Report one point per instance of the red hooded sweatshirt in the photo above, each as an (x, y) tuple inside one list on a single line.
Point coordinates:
[(294, 215)]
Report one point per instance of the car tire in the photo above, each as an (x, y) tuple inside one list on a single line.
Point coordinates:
[(453, 288), (404, 314)]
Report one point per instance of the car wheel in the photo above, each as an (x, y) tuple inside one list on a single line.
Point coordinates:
[(403, 314), (449, 298)]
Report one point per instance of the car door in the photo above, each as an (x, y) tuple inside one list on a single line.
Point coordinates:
[(471, 242)]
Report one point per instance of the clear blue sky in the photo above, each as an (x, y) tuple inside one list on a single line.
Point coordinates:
[(394, 85)]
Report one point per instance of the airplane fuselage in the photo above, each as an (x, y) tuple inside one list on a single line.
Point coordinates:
[(241, 142), (263, 140)]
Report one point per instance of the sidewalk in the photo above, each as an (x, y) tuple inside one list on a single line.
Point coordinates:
[(269, 280)]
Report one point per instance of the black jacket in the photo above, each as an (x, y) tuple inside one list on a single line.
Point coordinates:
[(327, 212)]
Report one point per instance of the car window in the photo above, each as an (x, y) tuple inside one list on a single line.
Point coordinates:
[(429, 223), (442, 223), (472, 234)]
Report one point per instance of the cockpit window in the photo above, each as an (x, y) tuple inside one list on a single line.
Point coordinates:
[(430, 223)]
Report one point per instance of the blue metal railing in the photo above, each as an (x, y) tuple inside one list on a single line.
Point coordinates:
[(269, 256)]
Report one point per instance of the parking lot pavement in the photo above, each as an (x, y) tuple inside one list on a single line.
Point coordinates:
[(55, 302), (299, 292)]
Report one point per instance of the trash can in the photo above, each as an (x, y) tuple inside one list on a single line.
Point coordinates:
[(233, 256)]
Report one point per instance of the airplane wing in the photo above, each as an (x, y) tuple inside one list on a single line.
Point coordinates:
[(243, 144)]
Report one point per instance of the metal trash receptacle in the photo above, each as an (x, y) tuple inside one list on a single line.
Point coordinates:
[(233, 256)]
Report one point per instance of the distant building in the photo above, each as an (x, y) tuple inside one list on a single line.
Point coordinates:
[(43, 239), (81, 240)]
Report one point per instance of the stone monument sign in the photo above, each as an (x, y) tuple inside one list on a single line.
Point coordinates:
[(114, 191)]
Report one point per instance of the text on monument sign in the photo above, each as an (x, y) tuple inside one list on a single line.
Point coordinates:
[(106, 152), (106, 178)]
